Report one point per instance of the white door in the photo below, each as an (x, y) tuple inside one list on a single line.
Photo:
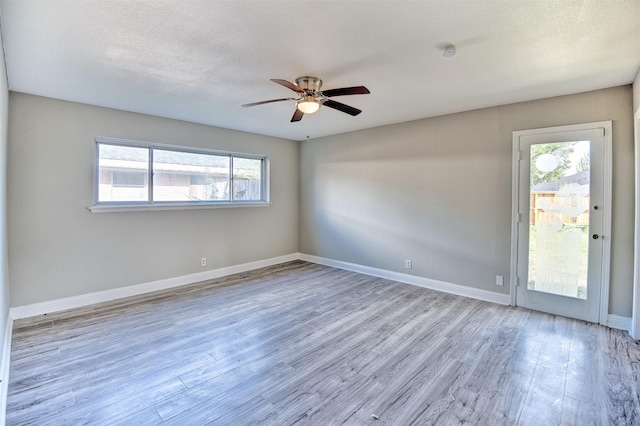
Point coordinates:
[(562, 220)]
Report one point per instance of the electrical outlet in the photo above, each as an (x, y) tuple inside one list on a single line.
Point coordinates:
[(407, 264), (499, 280), (203, 261)]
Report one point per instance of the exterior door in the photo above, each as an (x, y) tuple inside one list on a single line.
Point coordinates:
[(562, 220)]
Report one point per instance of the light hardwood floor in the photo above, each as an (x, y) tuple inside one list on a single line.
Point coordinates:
[(300, 343)]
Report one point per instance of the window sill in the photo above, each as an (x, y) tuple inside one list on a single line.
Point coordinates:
[(112, 208)]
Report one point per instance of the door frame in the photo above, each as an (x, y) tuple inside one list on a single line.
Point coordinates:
[(635, 315), (516, 216)]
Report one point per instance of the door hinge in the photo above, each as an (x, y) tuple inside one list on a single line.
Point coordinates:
[(517, 281)]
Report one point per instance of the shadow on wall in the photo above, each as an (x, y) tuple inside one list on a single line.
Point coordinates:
[(367, 213)]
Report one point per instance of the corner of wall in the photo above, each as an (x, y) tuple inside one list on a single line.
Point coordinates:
[(636, 93), (5, 321), (635, 318)]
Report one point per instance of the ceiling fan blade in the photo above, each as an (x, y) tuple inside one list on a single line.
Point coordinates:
[(297, 116), (268, 102), (342, 107), (289, 85), (356, 90)]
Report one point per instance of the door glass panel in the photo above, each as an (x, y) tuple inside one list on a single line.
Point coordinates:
[(559, 218)]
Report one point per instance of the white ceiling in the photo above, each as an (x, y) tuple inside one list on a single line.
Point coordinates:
[(200, 60)]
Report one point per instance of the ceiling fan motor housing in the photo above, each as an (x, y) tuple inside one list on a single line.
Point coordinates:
[(309, 84)]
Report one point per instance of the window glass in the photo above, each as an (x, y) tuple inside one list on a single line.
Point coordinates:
[(187, 176), (123, 173), (178, 176), (247, 182)]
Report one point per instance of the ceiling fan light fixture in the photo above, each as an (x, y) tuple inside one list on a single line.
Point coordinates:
[(308, 105)]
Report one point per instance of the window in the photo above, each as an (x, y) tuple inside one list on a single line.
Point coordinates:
[(132, 175)]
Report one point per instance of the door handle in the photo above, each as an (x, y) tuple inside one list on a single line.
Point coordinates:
[(595, 236)]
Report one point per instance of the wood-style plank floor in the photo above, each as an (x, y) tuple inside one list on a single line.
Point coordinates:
[(300, 343)]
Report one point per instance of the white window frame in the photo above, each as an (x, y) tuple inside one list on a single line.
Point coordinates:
[(120, 206)]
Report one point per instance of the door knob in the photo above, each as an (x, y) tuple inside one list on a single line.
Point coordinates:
[(595, 236)]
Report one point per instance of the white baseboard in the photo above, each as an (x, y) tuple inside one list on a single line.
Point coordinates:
[(79, 301), (614, 321), (4, 369), (619, 322), (87, 299), (460, 290)]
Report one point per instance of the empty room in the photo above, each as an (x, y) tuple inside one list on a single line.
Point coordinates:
[(320, 212)]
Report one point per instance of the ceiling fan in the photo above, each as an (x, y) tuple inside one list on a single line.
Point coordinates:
[(311, 97)]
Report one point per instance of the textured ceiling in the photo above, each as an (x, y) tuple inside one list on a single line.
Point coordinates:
[(200, 60)]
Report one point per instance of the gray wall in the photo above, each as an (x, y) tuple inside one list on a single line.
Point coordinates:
[(4, 270), (438, 191), (57, 248)]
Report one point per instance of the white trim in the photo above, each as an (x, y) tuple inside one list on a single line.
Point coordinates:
[(114, 208), (619, 322), (135, 290), (606, 220), (172, 147), (87, 299), (4, 369), (634, 330), (125, 206), (82, 300), (607, 189), (460, 290), (515, 219)]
